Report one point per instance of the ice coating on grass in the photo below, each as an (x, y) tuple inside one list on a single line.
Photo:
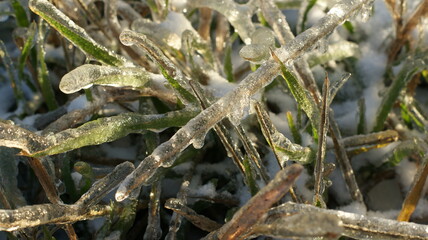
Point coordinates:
[(86, 75), (241, 105), (303, 225)]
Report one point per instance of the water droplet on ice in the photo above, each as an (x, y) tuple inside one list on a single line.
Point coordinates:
[(198, 142), (256, 53), (264, 36)]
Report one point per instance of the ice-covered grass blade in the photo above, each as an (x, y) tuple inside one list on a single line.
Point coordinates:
[(282, 147), (103, 186), (171, 72), (74, 33), (257, 206), (87, 75), (358, 226), (293, 128), (111, 128), (191, 215), (302, 226), (322, 130), (410, 68), (302, 96), (42, 70), (415, 193)]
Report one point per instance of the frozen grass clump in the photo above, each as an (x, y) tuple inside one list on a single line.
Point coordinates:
[(213, 119)]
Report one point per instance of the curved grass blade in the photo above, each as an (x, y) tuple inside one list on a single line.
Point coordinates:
[(103, 186), (74, 33), (173, 74), (86, 75)]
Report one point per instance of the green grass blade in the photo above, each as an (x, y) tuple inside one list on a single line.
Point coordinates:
[(302, 96), (283, 148), (228, 67), (111, 128), (169, 70), (310, 5), (86, 75), (176, 85), (26, 50), (74, 33), (42, 70), (361, 127), (410, 68), (20, 14), (11, 71), (294, 131)]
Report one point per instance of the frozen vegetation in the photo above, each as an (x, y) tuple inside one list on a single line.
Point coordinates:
[(213, 119)]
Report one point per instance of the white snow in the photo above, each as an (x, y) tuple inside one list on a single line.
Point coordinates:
[(354, 207), (79, 102)]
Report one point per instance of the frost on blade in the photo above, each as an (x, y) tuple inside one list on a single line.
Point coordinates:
[(87, 75)]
